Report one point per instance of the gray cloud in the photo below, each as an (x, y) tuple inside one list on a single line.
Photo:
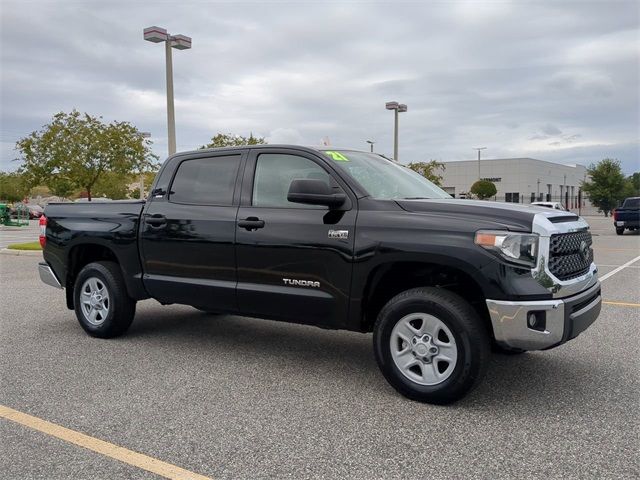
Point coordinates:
[(554, 80)]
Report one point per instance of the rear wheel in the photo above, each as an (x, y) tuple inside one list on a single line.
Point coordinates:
[(102, 304), (619, 230), (430, 345)]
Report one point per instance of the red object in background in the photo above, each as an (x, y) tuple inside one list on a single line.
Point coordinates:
[(615, 215), (43, 230)]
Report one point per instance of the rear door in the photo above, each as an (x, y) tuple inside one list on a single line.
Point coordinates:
[(294, 260), (188, 233)]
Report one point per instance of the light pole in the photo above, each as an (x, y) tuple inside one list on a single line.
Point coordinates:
[(479, 149), (371, 144), (397, 108), (179, 42)]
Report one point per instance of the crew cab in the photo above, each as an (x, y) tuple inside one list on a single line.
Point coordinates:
[(627, 216), (340, 239)]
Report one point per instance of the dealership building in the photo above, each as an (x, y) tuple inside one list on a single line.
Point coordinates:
[(518, 180)]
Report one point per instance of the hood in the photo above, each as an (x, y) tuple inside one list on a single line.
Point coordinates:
[(512, 216)]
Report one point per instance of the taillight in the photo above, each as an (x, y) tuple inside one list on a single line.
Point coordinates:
[(43, 230), (615, 215)]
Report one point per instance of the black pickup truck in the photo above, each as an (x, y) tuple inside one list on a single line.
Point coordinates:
[(627, 216), (340, 239)]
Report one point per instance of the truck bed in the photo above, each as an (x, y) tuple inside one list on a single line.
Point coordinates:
[(71, 227)]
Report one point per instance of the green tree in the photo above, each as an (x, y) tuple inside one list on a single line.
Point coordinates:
[(75, 150), (430, 170), (112, 185), (633, 185), (230, 140), (606, 186), (483, 189), (12, 186)]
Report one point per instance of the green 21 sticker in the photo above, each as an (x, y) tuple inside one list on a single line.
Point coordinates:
[(337, 156)]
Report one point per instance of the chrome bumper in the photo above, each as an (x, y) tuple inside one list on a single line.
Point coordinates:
[(47, 275), (558, 320)]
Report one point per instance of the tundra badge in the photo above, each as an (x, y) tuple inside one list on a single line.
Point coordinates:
[(301, 283), (339, 234)]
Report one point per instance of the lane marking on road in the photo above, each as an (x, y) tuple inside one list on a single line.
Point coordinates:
[(616, 249), (622, 304), (604, 265), (107, 449), (621, 267)]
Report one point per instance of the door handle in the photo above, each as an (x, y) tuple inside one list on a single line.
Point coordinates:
[(251, 223), (156, 220)]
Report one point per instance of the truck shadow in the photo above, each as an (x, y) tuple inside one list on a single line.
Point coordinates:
[(533, 382)]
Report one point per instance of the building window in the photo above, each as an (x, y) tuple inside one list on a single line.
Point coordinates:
[(512, 197)]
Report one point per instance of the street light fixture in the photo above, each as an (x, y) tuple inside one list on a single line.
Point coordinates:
[(179, 42), (479, 149), (397, 108), (370, 142)]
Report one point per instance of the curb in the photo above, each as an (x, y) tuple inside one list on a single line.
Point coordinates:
[(21, 253)]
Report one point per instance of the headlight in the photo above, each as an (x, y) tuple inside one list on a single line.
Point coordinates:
[(520, 248)]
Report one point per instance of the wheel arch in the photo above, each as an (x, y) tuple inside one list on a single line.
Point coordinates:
[(81, 254), (390, 278)]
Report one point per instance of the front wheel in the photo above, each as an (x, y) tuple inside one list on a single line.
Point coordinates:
[(102, 304), (430, 345), (619, 230)]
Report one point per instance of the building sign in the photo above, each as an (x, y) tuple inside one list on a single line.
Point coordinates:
[(492, 179)]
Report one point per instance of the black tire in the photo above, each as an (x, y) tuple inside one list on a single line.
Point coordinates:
[(121, 307), (620, 230), (471, 338)]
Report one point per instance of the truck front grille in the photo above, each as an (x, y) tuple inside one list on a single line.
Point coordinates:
[(570, 254)]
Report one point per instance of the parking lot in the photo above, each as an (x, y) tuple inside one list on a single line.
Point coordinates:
[(231, 397), (9, 235)]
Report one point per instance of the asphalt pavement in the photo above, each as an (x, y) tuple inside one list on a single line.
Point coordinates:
[(233, 398)]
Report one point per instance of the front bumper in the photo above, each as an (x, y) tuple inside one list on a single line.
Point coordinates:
[(557, 320)]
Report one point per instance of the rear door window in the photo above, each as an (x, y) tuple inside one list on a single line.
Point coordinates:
[(206, 181)]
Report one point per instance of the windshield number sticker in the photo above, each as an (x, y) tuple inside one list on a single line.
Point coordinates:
[(337, 156)]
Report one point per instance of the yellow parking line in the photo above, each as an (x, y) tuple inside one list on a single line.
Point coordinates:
[(100, 446), (622, 304)]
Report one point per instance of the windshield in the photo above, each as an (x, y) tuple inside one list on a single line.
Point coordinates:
[(384, 179)]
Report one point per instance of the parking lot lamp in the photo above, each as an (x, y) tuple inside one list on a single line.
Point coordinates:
[(371, 144), (179, 42), (397, 108), (479, 149)]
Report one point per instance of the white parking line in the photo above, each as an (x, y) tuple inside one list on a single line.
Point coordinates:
[(621, 267)]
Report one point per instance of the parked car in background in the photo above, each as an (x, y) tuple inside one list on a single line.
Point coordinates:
[(627, 217), (32, 210), (554, 205)]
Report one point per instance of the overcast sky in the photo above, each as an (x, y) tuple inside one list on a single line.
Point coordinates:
[(554, 80)]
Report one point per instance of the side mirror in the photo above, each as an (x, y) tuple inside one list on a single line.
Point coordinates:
[(314, 192)]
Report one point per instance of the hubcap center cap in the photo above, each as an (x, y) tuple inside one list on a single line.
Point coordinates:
[(424, 348)]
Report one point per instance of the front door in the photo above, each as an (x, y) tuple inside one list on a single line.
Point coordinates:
[(294, 260), (188, 234)]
